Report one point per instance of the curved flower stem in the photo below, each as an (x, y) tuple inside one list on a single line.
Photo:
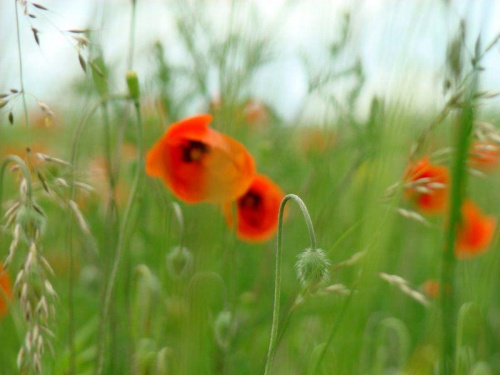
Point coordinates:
[(286, 320), (121, 241), (277, 283), (177, 213)]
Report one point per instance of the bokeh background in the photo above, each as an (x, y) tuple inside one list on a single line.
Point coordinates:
[(401, 45), (329, 97)]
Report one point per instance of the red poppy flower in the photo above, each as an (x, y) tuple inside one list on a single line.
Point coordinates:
[(200, 164), (257, 210), (5, 290), (485, 156), (475, 231), (428, 186)]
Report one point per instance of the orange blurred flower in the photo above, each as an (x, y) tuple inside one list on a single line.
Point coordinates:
[(18, 148), (316, 140), (255, 112), (257, 210), (485, 156), (431, 288), (475, 231), (5, 290), (200, 164), (42, 121), (428, 186)]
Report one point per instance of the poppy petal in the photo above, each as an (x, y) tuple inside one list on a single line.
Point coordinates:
[(475, 231), (5, 290), (200, 164), (257, 210), (431, 195)]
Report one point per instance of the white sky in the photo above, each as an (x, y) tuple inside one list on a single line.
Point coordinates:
[(401, 42)]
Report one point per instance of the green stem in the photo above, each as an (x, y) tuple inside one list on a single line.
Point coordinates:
[(21, 73), (121, 242), (109, 159), (334, 330), (277, 283), (177, 213), (69, 242), (448, 318), (130, 62)]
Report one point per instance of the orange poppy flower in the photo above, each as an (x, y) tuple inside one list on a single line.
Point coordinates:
[(475, 231), (5, 290), (428, 186), (485, 156), (257, 210), (200, 164)]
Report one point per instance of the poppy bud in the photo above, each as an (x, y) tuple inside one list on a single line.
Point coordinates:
[(90, 277), (133, 84), (179, 261), (312, 268), (223, 329)]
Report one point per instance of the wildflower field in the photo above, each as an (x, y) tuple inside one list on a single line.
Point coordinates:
[(246, 191)]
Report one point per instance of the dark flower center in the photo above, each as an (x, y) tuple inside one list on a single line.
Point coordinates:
[(193, 151), (251, 200)]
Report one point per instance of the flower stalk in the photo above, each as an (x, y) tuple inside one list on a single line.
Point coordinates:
[(277, 284)]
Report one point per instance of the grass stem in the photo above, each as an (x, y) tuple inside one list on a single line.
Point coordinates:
[(21, 73), (121, 241), (448, 308)]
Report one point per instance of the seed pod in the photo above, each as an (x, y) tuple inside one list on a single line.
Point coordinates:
[(83, 64), (39, 6), (35, 35)]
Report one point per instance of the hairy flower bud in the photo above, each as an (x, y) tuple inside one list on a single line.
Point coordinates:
[(223, 329), (312, 268), (179, 261)]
